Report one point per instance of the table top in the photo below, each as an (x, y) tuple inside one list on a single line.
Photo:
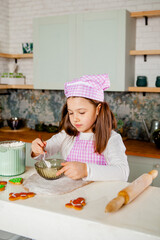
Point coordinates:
[(133, 147), (43, 216)]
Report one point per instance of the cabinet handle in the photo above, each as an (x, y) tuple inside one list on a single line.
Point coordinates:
[(157, 165)]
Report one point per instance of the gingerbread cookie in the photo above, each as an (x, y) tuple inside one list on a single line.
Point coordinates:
[(3, 182), (2, 187), (77, 203), (22, 195), (16, 181)]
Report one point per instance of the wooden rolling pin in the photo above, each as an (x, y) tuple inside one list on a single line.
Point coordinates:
[(129, 193)]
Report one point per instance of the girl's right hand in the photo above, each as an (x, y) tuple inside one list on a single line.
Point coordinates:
[(37, 147)]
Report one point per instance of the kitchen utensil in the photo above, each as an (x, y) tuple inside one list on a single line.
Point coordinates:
[(49, 128), (129, 193), (141, 81), (48, 165), (45, 162), (49, 173), (40, 127), (12, 158), (52, 128), (16, 123), (156, 137), (155, 124), (1, 122)]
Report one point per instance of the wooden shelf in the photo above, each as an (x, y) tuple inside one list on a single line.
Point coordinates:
[(154, 13), (16, 56), (144, 52), (144, 89), (7, 86)]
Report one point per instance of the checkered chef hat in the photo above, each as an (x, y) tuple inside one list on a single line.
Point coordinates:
[(88, 86)]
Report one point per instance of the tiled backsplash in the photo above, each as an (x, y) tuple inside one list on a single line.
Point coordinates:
[(45, 106)]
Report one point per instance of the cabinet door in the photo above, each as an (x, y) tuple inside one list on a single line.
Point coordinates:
[(67, 47), (139, 166), (54, 51), (103, 44)]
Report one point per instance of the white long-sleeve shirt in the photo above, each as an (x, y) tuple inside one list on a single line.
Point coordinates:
[(117, 166)]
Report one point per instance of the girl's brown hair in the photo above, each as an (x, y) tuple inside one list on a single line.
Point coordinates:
[(102, 127)]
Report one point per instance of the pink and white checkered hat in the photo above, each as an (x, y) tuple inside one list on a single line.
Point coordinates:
[(88, 86)]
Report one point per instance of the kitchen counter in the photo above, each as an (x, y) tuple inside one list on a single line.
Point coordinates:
[(141, 148), (133, 147), (25, 136), (46, 217)]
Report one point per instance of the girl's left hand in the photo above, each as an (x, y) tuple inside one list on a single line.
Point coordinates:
[(74, 170)]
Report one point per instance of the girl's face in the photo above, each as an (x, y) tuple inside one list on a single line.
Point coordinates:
[(82, 113)]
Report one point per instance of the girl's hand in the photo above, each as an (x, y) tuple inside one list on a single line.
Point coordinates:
[(74, 170), (37, 147)]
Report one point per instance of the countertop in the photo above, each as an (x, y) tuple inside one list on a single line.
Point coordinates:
[(46, 217), (25, 136), (133, 147), (141, 148)]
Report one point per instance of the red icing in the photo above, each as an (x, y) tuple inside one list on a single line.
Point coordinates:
[(77, 203), (3, 182), (22, 195)]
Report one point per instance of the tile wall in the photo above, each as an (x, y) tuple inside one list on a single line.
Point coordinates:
[(45, 106)]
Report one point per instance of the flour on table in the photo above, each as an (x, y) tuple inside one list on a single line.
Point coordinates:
[(62, 185)]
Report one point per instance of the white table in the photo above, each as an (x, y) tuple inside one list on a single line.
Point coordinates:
[(46, 217)]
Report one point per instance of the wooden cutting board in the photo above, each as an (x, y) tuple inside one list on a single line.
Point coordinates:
[(8, 129)]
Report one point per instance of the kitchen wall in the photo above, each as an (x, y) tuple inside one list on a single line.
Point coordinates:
[(16, 27), (45, 106), (4, 33), (21, 14)]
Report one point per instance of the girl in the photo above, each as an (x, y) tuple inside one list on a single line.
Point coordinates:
[(86, 139)]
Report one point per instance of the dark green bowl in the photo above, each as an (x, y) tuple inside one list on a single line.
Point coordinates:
[(157, 84), (141, 81), (52, 128), (40, 127)]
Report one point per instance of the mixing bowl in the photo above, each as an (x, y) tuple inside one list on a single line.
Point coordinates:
[(49, 173)]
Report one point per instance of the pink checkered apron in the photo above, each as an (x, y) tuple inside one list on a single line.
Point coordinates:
[(83, 151)]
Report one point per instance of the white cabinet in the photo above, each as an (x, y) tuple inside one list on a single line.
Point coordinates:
[(67, 47), (104, 40), (54, 48), (139, 165)]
